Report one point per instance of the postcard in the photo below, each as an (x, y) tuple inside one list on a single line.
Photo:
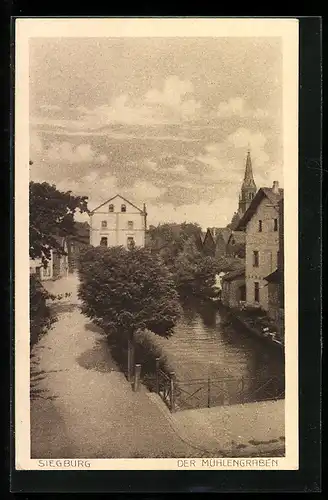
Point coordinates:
[(156, 244)]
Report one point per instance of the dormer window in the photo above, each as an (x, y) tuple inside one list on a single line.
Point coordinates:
[(123, 208), (111, 208)]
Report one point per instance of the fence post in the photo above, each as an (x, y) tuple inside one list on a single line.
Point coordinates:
[(129, 359), (242, 389), (225, 394), (172, 392), (209, 392), (157, 375), (137, 370)]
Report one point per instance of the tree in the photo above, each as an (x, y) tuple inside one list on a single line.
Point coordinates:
[(194, 273), (51, 215), (169, 239), (126, 291), (234, 221)]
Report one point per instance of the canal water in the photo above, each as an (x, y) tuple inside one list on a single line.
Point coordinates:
[(241, 367)]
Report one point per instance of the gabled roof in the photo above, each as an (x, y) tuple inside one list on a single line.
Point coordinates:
[(223, 232), (234, 274), (262, 193), (238, 236), (113, 198), (208, 236)]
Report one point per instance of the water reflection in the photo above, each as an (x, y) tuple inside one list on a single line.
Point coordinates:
[(205, 344)]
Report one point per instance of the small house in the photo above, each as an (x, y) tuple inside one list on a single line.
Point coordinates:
[(233, 288), (56, 267)]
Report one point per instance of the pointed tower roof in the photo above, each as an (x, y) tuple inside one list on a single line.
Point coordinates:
[(248, 178)]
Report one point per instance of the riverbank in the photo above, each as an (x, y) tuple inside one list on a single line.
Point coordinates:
[(238, 318)]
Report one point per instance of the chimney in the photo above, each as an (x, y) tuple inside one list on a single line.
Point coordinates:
[(275, 187)]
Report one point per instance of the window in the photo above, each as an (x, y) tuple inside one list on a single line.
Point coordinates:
[(123, 208), (260, 226), (104, 223), (103, 242), (275, 224), (255, 258), (256, 292), (130, 224), (111, 208), (130, 242), (242, 292)]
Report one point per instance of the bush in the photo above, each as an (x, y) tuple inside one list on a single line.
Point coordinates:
[(41, 317), (148, 347), (127, 290)]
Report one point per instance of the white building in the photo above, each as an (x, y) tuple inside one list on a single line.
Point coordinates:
[(118, 222)]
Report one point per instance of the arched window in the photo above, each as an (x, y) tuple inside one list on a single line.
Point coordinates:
[(111, 208), (123, 208)]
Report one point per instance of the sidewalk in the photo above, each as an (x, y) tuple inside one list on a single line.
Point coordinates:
[(94, 413)]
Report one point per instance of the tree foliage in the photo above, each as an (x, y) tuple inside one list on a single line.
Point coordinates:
[(194, 273), (169, 239), (41, 317), (127, 290), (51, 215)]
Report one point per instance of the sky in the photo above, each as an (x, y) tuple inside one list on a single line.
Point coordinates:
[(161, 121)]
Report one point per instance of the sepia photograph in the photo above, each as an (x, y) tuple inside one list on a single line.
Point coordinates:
[(156, 214)]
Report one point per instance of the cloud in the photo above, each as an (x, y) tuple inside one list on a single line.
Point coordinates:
[(50, 107), (142, 191), (237, 107), (177, 169), (63, 152), (155, 107), (150, 165), (256, 141), (36, 145), (173, 91), (103, 158), (66, 152)]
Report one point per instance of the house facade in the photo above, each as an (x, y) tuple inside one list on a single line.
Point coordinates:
[(118, 222), (57, 266), (233, 288), (261, 225), (275, 281)]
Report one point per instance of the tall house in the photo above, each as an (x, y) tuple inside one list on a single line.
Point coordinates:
[(248, 188), (262, 223), (118, 222)]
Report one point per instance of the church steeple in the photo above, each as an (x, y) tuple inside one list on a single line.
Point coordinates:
[(248, 178), (248, 188)]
